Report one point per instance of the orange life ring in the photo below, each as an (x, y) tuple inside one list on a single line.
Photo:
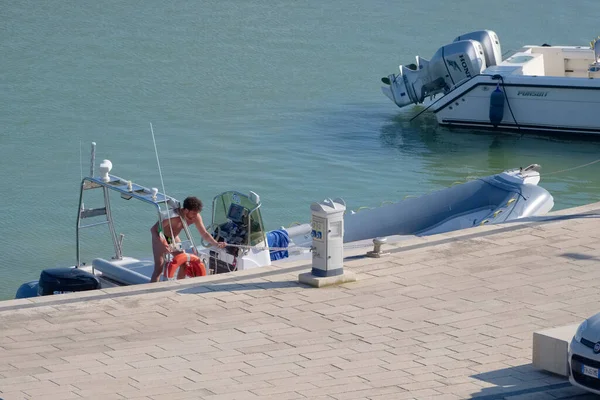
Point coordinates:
[(191, 262)]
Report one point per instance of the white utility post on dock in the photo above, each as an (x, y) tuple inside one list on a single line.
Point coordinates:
[(327, 231)]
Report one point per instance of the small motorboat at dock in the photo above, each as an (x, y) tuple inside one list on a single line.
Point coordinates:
[(237, 220)]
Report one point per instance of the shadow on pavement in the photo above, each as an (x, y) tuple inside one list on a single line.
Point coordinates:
[(525, 382)]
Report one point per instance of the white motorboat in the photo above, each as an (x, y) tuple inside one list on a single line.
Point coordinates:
[(237, 219), (537, 88)]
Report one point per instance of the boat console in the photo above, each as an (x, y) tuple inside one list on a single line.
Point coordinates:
[(236, 219), (235, 230)]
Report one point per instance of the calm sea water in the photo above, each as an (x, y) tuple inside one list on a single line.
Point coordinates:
[(281, 98)]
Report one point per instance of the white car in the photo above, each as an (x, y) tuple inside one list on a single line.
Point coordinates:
[(584, 355)]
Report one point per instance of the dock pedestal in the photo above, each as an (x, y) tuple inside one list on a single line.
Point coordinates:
[(327, 231)]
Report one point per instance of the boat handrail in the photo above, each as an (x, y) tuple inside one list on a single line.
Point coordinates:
[(127, 190)]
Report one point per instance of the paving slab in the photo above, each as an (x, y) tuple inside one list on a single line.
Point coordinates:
[(449, 316)]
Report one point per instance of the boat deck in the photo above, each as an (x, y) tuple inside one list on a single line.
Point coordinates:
[(562, 61), (449, 316)]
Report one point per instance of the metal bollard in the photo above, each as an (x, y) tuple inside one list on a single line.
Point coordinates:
[(376, 252)]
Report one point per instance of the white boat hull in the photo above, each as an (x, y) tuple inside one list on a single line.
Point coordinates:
[(538, 88), (550, 104)]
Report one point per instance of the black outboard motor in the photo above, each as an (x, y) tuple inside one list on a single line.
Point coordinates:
[(66, 280), (58, 281)]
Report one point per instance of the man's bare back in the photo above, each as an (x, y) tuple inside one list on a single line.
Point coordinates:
[(173, 226)]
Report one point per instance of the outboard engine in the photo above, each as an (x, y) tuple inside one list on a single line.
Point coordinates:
[(58, 281), (66, 280), (490, 43), (448, 67), (466, 57)]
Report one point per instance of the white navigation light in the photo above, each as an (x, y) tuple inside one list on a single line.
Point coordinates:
[(105, 167)]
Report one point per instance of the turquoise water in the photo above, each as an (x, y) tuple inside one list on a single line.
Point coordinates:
[(282, 99)]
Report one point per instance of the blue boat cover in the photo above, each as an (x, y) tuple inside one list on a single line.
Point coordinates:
[(278, 238)]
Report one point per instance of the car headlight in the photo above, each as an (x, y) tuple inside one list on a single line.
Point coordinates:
[(580, 330)]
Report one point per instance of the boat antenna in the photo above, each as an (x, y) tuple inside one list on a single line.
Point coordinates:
[(81, 174), (93, 159), (162, 183), (80, 162)]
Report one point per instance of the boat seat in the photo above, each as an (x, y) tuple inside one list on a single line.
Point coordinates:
[(577, 67), (523, 63), (554, 61), (594, 68), (128, 271), (578, 54)]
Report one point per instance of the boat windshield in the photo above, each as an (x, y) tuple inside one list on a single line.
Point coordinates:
[(239, 208)]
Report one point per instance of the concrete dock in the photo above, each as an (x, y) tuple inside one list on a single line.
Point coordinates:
[(449, 316)]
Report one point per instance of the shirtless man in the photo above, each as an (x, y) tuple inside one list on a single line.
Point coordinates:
[(172, 227)]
